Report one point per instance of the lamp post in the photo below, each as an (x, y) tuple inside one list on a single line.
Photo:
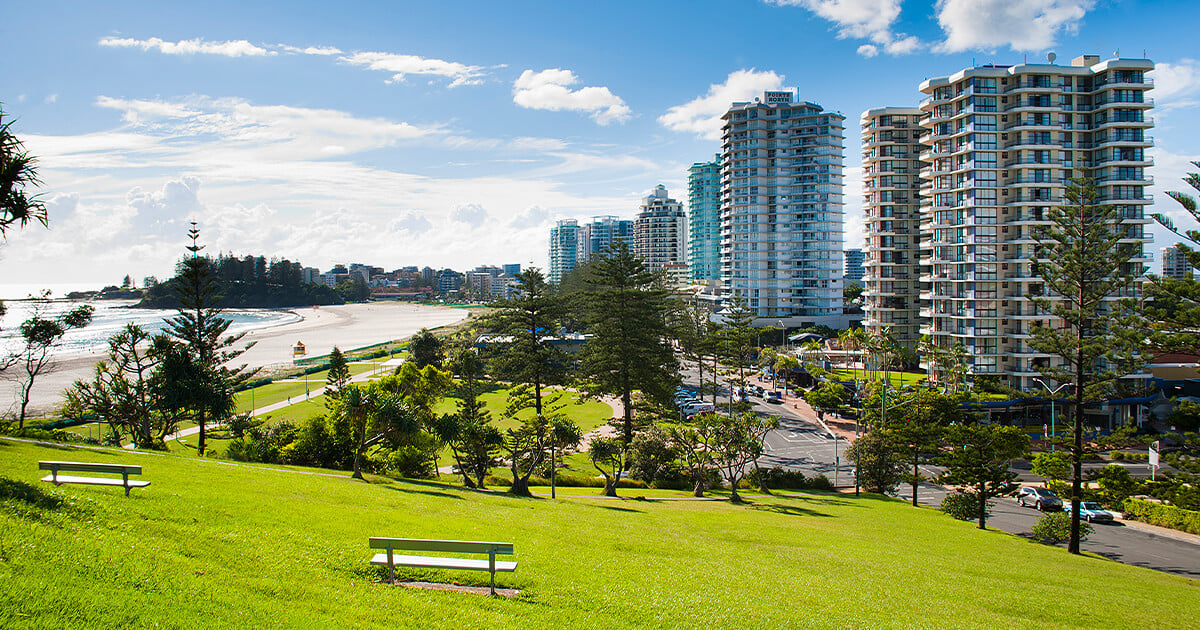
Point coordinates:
[(1053, 393), (783, 331)]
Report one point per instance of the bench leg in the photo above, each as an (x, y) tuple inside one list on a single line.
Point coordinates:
[(125, 481), (492, 570)]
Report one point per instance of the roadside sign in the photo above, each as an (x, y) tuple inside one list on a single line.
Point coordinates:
[(1154, 455)]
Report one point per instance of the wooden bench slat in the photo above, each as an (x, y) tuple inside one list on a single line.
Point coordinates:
[(447, 546), (95, 481), (430, 562), (91, 467)]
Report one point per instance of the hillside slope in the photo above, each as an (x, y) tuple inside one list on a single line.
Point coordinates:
[(231, 546)]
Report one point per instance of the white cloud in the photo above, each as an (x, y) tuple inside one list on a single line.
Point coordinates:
[(470, 213), (403, 65), (532, 217), (550, 89), (863, 19), (702, 115), (51, 99), (322, 51), (1177, 84), (1019, 24), (234, 48)]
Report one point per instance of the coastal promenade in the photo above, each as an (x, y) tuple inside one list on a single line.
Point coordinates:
[(348, 326)]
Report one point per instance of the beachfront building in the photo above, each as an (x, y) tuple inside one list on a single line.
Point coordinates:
[(704, 224), (564, 249), (1174, 264), (1000, 145), (781, 210), (660, 231), (595, 237), (511, 269), (891, 147), (854, 267)]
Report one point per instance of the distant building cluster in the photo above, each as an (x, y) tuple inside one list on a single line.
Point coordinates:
[(483, 284), (954, 189)]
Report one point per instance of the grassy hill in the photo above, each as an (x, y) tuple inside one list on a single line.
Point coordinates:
[(216, 545)]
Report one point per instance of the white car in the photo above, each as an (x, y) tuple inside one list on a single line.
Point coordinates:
[(1090, 511)]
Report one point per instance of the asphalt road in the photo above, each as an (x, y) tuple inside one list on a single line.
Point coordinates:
[(802, 444)]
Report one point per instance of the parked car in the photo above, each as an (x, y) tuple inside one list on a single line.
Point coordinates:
[(695, 407), (1039, 498), (758, 390), (1090, 511), (775, 398)]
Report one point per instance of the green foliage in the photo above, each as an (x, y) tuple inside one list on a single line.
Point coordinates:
[(39, 334), (473, 440), (18, 174), (875, 463), (653, 458), (1175, 303), (977, 458), (426, 349), (965, 506), (339, 373), (780, 478), (1052, 465), (529, 321), (1163, 515), (628, 314), (353, 290), (1055, 528), (248, 282), (1185, 416), (1116, 485), (830, 397)]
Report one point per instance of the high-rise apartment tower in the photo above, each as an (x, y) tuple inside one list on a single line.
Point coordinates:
[(660, 231), (781, 209), (704, 224)]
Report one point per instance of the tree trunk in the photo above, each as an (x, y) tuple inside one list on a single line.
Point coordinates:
[(982, 507), (200, 446), (520, 487), (698, 488), (357, 468), (915, 483), (762, 479), (1076, 456)]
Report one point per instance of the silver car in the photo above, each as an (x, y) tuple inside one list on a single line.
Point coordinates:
[(1091, 512), (1039, 498)]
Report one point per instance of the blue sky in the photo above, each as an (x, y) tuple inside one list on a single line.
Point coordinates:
[(456, 133)]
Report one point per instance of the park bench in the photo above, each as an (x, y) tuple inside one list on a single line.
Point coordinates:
[(117, 469), (390, 558)]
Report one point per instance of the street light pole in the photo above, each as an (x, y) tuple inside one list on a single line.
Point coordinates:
[(1053, 393)]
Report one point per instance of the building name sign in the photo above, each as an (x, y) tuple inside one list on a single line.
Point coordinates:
[(774, 98)]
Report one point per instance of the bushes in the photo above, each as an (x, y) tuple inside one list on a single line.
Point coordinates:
[(780, 479), (1055, 527), (1163, 515), (964, 506)]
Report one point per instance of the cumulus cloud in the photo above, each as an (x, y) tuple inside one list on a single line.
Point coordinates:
[(702, 115), (411, 222), (863, 19), (1021, 25), (1177, 84), (533, 216), (234, 48), (163, 211), (403, 65), (550, 89), (470, 213)]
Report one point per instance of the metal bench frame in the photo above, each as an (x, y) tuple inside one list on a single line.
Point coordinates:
[(120, 469), (491, 565)]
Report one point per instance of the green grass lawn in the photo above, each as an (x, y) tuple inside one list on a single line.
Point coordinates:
[(897, 379), (214, 545)]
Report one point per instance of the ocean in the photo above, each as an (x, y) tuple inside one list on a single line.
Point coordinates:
[(109, 317)]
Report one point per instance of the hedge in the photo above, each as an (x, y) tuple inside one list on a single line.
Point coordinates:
[(1162, 515)]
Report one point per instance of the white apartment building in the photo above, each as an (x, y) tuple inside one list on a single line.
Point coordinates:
[(1000, 145), (781, 210), (891, 146), (1174, 263), (564, 249), (660, 231)]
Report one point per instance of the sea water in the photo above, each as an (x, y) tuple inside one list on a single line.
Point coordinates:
[(110, 317)]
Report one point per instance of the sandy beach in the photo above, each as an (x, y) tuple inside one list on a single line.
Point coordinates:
[(348, 327)]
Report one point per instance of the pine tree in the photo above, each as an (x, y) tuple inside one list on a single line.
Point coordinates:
[(339, 375), (205, 388), (1086, 263), (1175, 308), (529, 320)]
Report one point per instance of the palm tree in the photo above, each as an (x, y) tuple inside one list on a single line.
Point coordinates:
[(18, 171)]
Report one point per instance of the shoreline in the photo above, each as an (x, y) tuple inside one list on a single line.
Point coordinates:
[(319, 329)]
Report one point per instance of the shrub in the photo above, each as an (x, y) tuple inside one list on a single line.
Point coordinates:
[(820, 482), (964, 506), (1163, 515), (1055, 527)]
